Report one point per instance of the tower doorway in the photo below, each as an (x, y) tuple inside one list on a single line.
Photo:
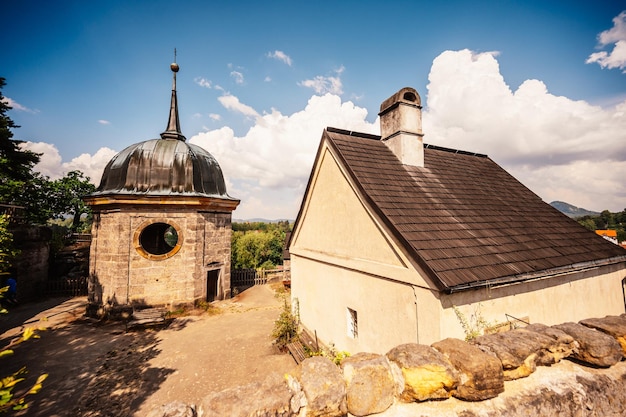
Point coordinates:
[(211, 284)]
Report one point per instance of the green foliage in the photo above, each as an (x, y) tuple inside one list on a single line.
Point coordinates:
[(7, 249), (331, 353), (41, 198), (258, 248), (15, 163), (474, 326), (11, 397), (67, 197), (285, 328), (606, 220)]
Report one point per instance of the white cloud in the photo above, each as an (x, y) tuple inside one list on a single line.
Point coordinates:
[(215, 116), (616, 36), (323, 85), (238, 76), (232, 103), (560, 148), (17, 106), (202, 82), (280, 56), (268, 168), (104, 122), (51, 164)]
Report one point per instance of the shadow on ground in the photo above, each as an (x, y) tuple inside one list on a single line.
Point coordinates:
[(94, 369)]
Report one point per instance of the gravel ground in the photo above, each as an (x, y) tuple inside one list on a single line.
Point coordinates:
[(100, 369)]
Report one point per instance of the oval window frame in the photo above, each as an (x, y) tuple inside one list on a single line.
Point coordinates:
[(144, 253)]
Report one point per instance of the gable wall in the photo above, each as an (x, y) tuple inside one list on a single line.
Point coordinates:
[(339, 256)]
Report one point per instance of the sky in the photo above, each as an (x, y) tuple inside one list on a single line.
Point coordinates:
[(539, 86)]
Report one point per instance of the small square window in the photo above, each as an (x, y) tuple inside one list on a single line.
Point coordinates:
[(353, 323)]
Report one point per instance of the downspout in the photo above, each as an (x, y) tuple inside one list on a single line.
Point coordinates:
[(417, 325)]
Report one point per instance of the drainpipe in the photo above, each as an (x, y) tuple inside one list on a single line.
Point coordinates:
[(417, 326)]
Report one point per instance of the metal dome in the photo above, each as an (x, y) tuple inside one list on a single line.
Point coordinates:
[(167, 167), (163, 167)]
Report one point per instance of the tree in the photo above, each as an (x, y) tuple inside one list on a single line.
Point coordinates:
[(257, 249), (16, 164), (68, 193), (7, 249)]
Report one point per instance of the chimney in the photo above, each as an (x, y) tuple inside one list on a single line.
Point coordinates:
[(401, 126)]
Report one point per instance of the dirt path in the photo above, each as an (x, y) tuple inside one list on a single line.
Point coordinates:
[(101, 370)]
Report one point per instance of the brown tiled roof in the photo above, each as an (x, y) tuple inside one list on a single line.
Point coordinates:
[(464, 219)]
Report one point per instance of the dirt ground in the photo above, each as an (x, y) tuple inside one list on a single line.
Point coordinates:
[(100, 369)]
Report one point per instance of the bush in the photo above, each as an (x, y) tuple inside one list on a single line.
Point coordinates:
[(285, 328)]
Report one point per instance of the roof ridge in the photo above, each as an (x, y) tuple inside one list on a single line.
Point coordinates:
[(426, 145)]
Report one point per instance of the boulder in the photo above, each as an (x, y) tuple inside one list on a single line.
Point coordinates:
[(613, 326), (517, 350), (323, 386), (427, 374), (173, 409), (595, 347), (370, 386), (562, 345), (271, 397), (481, 373)]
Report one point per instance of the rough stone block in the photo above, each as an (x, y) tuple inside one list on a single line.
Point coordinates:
[(173, 409), (518, 350), (562, 345), (613, 326), (481, 373), (370, 385), (427, 374), (272, 397), (323, 386), (595, 348)]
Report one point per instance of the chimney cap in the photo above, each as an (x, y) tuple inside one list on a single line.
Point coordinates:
[(406, 95)]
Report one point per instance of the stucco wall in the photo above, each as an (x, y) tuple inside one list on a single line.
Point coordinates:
[(595, 292)]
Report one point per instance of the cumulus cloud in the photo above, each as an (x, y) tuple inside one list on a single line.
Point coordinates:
[(104, 122), (232, 103), (323, 85), (615, 36), (215, 116), (268, 167), (52, 165), (17, 106), (280, 56), (237, 76), (560, 148), (202, 82)]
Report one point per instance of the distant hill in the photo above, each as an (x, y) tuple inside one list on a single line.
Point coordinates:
[(572, 211), (258, 220)]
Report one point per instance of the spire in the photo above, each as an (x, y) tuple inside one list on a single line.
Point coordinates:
[(173, 125)]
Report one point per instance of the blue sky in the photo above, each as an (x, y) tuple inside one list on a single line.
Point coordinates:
[(539, 86)]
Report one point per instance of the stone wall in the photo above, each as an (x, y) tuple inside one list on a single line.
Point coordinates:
[(32, 264), (516, 373), (121, 274)]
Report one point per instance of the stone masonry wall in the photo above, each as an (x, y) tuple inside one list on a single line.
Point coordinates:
[(120, 274), (516, 373)]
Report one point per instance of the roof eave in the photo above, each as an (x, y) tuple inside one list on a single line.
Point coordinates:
[(536, 275)]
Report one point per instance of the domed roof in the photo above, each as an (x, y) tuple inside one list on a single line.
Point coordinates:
[(167, 166), (163, 167)]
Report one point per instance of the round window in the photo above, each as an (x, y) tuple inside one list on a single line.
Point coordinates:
[(158, 240)]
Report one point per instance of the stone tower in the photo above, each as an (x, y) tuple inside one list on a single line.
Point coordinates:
[(162, 224)]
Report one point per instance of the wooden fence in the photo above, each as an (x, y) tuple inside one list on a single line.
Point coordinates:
[(68, 287), (242, 279)]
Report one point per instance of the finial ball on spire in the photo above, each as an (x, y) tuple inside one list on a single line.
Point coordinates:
[(174, 67)]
